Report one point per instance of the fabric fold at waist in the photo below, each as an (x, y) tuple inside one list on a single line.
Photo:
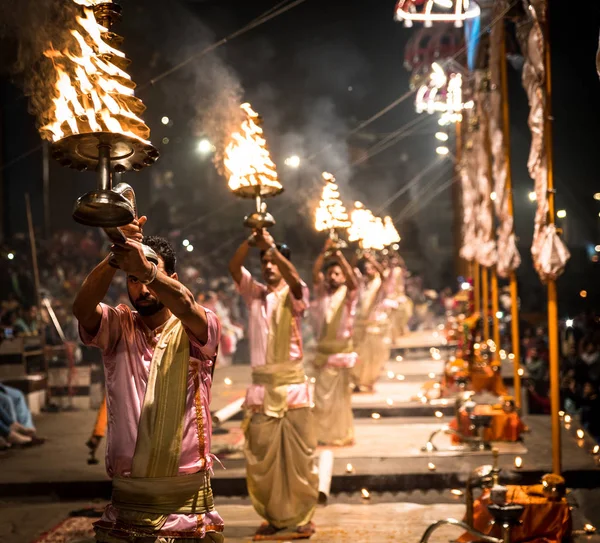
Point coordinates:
[(276, 375), (184, 494)]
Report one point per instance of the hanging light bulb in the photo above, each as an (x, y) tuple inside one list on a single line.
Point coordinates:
[(436, 11)]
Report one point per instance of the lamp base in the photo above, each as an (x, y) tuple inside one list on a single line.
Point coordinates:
[(103, 208), (259, 220)]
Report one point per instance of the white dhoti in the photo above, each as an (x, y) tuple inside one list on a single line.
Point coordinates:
[(281, 474)]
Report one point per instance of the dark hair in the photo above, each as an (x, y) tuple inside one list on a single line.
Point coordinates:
[(164, 250), (330, 264), (362, 266), (282, 248)]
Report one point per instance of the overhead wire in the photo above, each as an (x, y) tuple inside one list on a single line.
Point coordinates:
[(431, 196), (413, 182), (387, 142), (409, 93), (271, 13), (417, 198)]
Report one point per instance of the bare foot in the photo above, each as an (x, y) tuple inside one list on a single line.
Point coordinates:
[(307, 530), (18, 427), (4, 444), (15, 438)]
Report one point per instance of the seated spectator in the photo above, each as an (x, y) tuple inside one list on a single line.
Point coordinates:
[(590, 410), (569, 393), (16, 424), (25, 321), (591, 357)]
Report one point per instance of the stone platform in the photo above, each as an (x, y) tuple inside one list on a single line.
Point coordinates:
[(387, 456)]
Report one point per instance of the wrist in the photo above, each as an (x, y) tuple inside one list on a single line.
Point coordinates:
[(150, 274)]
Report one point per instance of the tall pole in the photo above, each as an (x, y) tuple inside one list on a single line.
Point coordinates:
[(514, 291), (460, 265), (552, 296), (485, 287), (46, 187), (34, 260), (495, 310), (476, 286)]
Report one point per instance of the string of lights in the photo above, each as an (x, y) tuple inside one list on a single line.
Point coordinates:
[(409, 93)]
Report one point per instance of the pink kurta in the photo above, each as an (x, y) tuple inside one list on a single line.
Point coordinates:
[(261, 301), (127, 346), (318, 309)]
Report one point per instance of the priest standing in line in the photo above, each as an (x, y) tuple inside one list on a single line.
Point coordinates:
[(158, 363), (333, 312), (279, 428), (371, 335)]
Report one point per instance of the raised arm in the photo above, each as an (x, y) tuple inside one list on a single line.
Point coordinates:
[(265, 242), (351, 279), (371, 258), (86, 307), (237, 261), (173, 294), (317, 274)]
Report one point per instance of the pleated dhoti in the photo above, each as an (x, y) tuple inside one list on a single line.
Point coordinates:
[(373, 353), (333, 406), (280, 469), (399, 319)]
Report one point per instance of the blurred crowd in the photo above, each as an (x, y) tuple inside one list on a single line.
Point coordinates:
[(68, 256), (579, 370)]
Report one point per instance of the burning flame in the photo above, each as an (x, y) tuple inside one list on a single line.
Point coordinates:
[(365, 228), (391, 234), (359, 218), (93, 94), (247, 158), (331, 212)]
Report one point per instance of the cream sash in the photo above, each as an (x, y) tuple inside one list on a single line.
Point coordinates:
[(368, 298), (161, 423), (279, 371), (329, 343), (155, 490)]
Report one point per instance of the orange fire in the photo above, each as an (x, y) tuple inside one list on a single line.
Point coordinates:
[(247, 158), (367, 229), (93, 93), (330, 213)]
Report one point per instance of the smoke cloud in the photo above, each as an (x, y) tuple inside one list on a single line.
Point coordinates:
[(27, 28)]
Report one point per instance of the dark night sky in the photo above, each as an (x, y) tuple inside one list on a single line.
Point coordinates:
[(297, 71)]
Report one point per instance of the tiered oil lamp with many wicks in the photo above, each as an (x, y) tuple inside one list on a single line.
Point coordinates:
[(94, 121), (391, 236), (331, 215), (366, 229), (252, 173)]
